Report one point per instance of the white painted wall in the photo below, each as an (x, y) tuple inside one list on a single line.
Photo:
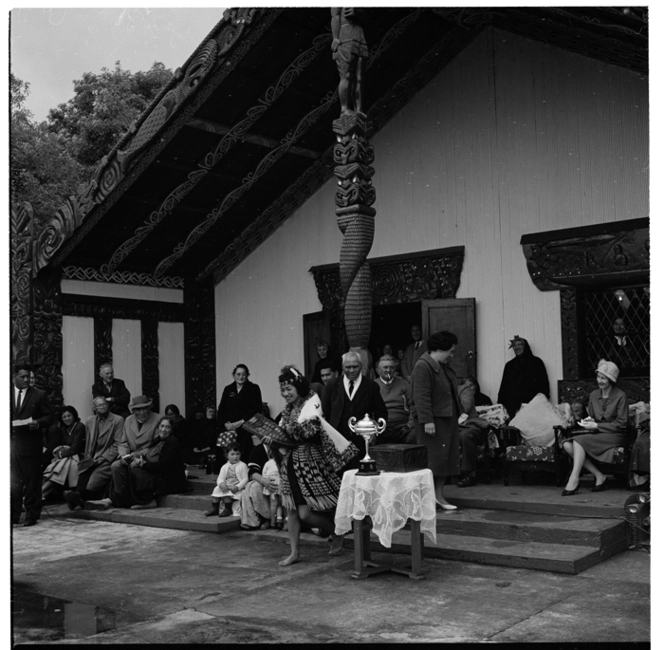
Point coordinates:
[(171, 365), (513, 137), (78, 363)]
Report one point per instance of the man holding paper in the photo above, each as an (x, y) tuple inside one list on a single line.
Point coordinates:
[(31, 413)]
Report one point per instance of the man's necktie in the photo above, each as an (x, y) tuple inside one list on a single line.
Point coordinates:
[(18, 400), (417, 345), (351, 385)]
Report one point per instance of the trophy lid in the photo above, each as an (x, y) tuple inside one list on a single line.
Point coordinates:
[(365, 425)]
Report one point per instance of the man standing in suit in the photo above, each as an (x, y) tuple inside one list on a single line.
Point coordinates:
[(31, 413), (103, 432), (352, 395), (413, 352), (112, 390), (139, 430)]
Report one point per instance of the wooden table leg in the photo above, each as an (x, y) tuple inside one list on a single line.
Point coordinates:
[(366, 538), (358, 544), (416, 545), (364, 567)]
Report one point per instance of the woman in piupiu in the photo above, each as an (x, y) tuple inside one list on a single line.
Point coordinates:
[(437, 410)]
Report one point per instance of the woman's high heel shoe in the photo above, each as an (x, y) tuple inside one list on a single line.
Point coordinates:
[(569, 493)]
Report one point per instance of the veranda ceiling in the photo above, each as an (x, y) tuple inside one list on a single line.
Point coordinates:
[(243, 134)]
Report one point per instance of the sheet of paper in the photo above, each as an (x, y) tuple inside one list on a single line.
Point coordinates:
[(22, 423)]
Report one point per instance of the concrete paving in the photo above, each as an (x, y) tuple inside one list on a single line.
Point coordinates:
[(86, 581)]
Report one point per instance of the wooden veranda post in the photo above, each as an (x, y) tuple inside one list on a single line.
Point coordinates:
[(353, 156)]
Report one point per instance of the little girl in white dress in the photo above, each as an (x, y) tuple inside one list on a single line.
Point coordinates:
[(233, 476)]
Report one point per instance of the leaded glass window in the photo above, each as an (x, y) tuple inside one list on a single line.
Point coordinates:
[(615, 325)]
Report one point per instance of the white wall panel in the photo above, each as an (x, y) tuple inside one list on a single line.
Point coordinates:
[(78, 363), (127, 353), (513, 137), (171, 365)]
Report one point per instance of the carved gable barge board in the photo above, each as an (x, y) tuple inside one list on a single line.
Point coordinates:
[(408, 277), (590, 255), (96, 307), (136, 151)]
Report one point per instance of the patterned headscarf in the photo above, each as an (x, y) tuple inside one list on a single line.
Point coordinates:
[(291, 375)]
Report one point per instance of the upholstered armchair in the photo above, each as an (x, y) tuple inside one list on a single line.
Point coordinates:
[(533, 440)]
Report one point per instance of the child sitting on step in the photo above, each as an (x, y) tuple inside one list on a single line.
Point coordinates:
[(233, 476)]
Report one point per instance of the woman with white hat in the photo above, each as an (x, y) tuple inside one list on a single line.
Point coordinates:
[(608, 413)]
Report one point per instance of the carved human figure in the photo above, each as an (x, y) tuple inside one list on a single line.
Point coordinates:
[(349, 49)]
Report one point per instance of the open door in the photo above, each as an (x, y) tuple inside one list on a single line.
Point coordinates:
[(316, 327), (456, 315)]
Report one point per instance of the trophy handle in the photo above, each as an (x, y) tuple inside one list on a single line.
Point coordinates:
[(351, 423), (381, 425)]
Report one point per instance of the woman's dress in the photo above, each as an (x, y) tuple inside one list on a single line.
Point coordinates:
[(64, 471), (611, 415), (308, 473)]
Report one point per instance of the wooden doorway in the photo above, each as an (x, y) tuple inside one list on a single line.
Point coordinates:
[(455, 315), (391, 324), (316, 327)]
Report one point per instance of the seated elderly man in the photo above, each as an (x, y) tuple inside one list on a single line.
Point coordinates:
[(396, 394), (103, 432), (138, 432)]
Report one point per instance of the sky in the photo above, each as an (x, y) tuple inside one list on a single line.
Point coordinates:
[(51, 47)]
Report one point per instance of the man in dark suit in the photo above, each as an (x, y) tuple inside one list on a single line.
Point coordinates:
[(31, 415), (112, 390), (413, 352), (352, 395)]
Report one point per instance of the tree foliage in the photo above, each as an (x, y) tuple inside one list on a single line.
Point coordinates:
[(104, 107), (49, 160), (42, 170)]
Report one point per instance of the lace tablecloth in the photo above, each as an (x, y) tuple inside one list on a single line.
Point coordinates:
[(390, 499)]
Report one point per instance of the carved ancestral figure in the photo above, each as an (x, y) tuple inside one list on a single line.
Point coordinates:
[(349, 49)]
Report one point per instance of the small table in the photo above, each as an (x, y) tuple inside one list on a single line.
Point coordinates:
[(386, 502)]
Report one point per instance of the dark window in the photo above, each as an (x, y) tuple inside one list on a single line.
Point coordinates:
[(615, 325)]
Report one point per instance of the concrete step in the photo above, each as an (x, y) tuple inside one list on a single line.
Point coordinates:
[(162, 517), (557, 558), (530, 527)]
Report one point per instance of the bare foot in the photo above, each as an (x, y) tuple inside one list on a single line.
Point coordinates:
[(291, 559), (337, 545)]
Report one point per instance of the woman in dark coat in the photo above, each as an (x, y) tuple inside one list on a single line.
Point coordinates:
[(437, 410), (608, 413), (523, 377), (240, 401), (63, 469)]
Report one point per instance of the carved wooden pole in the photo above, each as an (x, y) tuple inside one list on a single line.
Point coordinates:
[(36, 306), (21, 230), (355, 193)]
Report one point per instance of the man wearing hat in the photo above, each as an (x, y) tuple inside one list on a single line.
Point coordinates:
[(139, 430)]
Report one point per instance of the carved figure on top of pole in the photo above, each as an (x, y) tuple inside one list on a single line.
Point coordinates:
[(355, 193), (349, 49)]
